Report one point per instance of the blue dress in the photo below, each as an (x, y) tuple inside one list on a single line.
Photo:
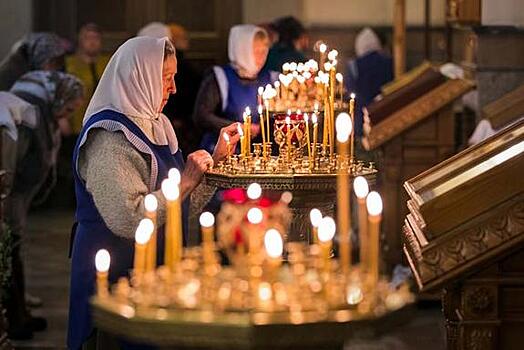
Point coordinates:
[(237, 94), (92, 233)]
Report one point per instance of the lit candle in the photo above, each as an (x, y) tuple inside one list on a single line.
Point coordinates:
[(228, 145), (340, 80), (361, 188), (315, 140), (326, 128), (343, 126), (262, 129), (254, 191), (285, 67), (254, 217), (102, 263), (260, 92), (315, 216), (308, 142), (322, 49), (289, 135), (242, 140), (143, 233), (374, 205), (173, 234), (151, 205), (207, 222), (352, 114), (266, 106), (277, 88), (248, 134), (326, 232), (332, 73), (274, 247)]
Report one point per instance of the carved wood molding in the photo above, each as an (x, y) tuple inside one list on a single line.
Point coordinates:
[(442, 261), (417, 110)]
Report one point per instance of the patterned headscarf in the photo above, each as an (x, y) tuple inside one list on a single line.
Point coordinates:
[(53, 88), (42, 47)]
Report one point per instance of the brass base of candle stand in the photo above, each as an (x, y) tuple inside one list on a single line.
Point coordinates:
[(171, 328), (310, 188)]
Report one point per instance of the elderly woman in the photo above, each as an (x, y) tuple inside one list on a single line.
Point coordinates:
[(36, 51), (125, 150), (229, 89), (36, 103)]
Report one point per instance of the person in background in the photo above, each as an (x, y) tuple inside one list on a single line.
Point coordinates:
[(36, 51), (229, 89), (371, 69), (292, 41), (88, 64), (179, 107), (44, 98)]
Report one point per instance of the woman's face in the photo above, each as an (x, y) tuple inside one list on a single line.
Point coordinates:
[(168, 79), (260, 50)]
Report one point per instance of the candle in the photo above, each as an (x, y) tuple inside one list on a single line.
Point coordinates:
[(266, 105), (308, 142), (248, 134), (207, 222), (228, 145), (332, 73), (361, 188), (326, 232), (315, 216), (326, 127), (352, 114), (285, 67), (288, 136), (374, 206), (254, 217), (143, 233), (277, 88), (274, 247), (102, 263), (262, 129), (151, 205), (315, 140), (173, 231), (260, 92), (344, 126), (322, 49), (340, 80), (242, 140)]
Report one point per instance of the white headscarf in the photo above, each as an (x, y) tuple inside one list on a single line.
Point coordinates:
[(366, 42), (132, 85), (240, 48), (155, 30)]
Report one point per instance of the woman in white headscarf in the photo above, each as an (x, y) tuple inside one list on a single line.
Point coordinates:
[(124, 151), (229, 89)]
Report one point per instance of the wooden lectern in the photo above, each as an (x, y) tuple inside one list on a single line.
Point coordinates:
[(464, 235), (414, 136)]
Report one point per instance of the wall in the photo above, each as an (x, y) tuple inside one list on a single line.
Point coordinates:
[(16, 21), (503, 12)]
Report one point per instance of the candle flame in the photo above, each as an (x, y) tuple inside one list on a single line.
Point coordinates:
[(314, 118), (239, 130), (285, 66), (174, 174), (264, 291), (326, 229), (322, 48), (343, 126), (327, 66), (207, 219), (273, 243), (354, 295), (150, 202), (248, 110), (170, 189), (339, 77), (277, 84), (226, 137), (332, 55), (254, 191), (306, 117), (102, 260), (352, 95), (260, 90), (288, 120), (293, 66), (374, 203), (361, 187), (315, 216), (143, 231), (286, 197), (255, 216)]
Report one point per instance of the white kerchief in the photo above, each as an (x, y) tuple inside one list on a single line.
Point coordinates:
[(366, 42), (132, 85), (240, 48)]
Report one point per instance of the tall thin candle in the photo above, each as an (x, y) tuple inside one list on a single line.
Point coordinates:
[(173, 234), (361, 188), (374, 205), (151, 205)]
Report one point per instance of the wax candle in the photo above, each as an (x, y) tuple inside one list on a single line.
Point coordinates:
[(374, 206), (361, 188), (344, 128), (352, 114), (315, 216), (228, 145), (340, 81), (315, 140), (143, 233), (332, 73), (308, 142), (274, 247), (288, 136), (248, 134), (262, 129), (266, 106), (102, 263), (259, 96), (254, 191), (254, 217), (322, 49), (242, 140), (151, 205), (173, 231), (207, 222), (326, 232)]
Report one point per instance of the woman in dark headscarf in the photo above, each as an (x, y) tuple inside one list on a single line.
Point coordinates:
[(54, 95), (36, 51)]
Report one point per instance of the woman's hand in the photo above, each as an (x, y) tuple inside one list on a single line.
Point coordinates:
[(197, 164), (220, 151), (255, 130)]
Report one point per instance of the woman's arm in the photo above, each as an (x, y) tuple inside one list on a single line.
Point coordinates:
[(207, 103), (117, 176)]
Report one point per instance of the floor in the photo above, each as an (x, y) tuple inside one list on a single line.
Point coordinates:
[(47, 271)]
